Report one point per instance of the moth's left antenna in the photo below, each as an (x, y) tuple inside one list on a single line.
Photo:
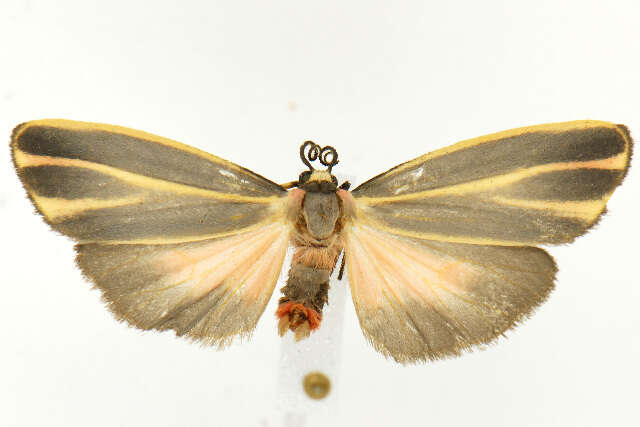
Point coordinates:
[(314, 150)]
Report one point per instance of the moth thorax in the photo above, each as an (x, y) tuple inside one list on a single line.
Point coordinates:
[(321, 211)]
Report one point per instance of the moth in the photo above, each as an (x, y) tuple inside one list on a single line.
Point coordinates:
[(440, 251)]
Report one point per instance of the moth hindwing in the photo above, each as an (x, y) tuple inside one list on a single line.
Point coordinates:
[(440, 251)]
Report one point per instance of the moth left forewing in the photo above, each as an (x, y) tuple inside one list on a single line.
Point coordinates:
[(175, 238), (424, 300), (102, 183)]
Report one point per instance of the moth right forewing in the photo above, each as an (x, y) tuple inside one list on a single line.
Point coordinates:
[(528, 186)]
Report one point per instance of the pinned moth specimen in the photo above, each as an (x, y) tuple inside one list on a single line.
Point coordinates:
[(440, 251)]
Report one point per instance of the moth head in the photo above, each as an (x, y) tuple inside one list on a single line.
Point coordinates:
[(318, 181)]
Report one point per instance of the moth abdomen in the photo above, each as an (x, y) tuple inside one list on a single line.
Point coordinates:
[(306, 291), (305, 295)]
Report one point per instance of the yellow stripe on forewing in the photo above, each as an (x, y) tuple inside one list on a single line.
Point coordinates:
[(56, 209), (617, 162), (376, 225), (23, 159), (196, 238), (549, 127), (92, 127), (587, 210)]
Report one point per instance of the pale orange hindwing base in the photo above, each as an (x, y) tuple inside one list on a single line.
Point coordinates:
[(209, 290), (420, 300)]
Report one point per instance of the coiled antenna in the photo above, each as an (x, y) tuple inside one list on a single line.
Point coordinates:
[(310, 152)]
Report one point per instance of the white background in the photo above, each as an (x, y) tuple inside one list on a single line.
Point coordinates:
[(383, 82)]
